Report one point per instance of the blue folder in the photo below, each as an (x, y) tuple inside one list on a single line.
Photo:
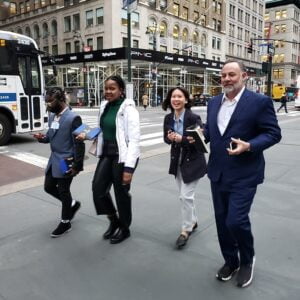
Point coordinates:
[(91, 133)]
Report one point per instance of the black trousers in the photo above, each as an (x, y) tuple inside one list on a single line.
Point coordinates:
[(283, 105), (109, 172), (60, 189)]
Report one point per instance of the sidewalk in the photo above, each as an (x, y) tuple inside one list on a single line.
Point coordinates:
[(80, 265)]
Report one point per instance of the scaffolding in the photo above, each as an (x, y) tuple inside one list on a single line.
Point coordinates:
[(147, 78)]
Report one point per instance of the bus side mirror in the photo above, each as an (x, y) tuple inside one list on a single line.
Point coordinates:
[(54, 70)]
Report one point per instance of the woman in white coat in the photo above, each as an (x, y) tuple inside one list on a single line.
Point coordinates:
[(118, 149)]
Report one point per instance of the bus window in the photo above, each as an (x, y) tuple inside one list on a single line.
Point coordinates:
[(35, 78), (22, 71), (7, 59)]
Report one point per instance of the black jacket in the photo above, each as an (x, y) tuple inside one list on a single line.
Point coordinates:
[(192, 163)]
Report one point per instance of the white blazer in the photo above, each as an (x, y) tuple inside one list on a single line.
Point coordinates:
[(127, 133)]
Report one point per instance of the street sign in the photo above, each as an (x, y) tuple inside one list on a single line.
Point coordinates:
[(132, 5)]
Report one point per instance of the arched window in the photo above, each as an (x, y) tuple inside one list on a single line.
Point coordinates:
[(152, 23), (176, 32), (195, 38), (54, 28), (19, 30), (28, 31), (163, 29), (203, 41), (45, 30), (185, 35), (36, 32)]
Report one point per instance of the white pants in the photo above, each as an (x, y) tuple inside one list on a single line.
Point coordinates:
[(187, 197)]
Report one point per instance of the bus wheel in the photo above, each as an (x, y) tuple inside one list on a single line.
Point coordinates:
[(5, 130)]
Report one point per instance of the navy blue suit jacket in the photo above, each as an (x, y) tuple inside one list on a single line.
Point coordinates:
[(254, 121)]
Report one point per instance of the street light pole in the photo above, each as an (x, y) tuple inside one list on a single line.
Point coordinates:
[(84, 68), (85, 91)]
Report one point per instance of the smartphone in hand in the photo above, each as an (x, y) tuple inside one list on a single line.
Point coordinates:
[(38, 135), (232, 145)]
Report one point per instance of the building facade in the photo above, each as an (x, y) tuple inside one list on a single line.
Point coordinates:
[(282, 25), (245, 26), (191, 29)]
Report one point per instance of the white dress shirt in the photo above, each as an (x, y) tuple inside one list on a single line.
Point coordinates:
[(226, 110)]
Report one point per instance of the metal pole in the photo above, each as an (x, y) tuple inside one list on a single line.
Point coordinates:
[(269, 79), (129, 42), (85, 92)]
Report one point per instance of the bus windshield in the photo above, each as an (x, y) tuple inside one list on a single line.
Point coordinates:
[(8, 63)]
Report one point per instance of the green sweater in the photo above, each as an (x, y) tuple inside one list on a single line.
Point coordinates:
[(108, 120)]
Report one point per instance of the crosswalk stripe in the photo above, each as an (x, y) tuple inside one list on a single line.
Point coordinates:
[(150, 135), (151, 142), (29, 158)]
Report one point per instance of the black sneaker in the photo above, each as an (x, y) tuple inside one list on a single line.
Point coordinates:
[(61, 229), (226, 272), (245, 274), (74, 209)]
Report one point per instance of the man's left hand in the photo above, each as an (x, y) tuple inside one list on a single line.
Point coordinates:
[(240, 146)]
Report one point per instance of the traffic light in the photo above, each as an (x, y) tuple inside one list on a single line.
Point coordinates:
[(265, 67), (250, 48)]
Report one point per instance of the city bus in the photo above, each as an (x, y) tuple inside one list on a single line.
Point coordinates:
[(22, 106)]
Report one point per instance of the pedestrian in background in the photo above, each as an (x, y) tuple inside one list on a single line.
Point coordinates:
[(240, 125), (283, 101), (118, 149), (62, 122), (187, 163), (145, 100)]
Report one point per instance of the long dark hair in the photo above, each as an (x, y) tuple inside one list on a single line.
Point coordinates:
[(167, 102), (119, 81)]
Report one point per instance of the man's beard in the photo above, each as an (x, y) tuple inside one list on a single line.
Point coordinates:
[(228, 89)]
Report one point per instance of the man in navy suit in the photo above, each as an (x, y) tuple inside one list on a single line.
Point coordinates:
[(240, 125)]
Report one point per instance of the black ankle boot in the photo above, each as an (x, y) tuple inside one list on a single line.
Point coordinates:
[(120, 236), (112, 228)]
